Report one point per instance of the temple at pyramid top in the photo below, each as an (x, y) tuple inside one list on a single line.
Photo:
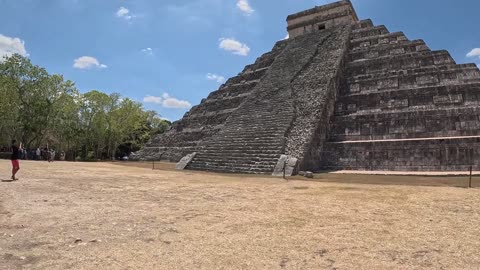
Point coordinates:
[(321, 18)]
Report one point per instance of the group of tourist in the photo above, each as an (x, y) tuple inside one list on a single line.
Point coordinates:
[(39, 154), (19, 153)]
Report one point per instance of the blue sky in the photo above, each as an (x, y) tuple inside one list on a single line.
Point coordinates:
[(170, 54)]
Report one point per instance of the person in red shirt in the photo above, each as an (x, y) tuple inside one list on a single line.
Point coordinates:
[(14, 158)]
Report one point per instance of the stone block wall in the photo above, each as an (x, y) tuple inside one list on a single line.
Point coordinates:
[(403, 107), (336, 14), (436, 154)]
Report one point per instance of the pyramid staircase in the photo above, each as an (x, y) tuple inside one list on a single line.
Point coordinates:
[(255, 136)]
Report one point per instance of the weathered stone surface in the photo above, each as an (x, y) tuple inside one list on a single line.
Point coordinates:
[(320, 18), (407, 108), (185, 161), (289, 164), (281, 165), (314, 93)]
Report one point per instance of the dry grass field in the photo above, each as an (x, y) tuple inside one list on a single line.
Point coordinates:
[(110, 216)]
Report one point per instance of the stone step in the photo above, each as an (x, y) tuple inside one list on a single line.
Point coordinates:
[(251, 147), (363, 24), (245, 146), (273, 114), (257, 152), (368, 32), (251, 158), (232, 90), (276, 127), (230, 146), (226, 98), (399, 62), (240, 152), (233, 159), (276, 130), (235, 163), (198, 117), (246, 116), (408, 99), (412, 71), (224, 169), (266, 59), (417, 154), (206, 120), (260, 131), (470, 85), (416, 113), (263, 62), (406, 134), (246, 76), (246, 140), (387, 50), (241, 141), (256, 118), (255, 126), (422, 122), (261, 167), (220, 105), (428, 76), (238, 159), (372, 41), (152, 147)]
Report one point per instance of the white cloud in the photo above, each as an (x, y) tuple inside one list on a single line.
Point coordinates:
[(234, 46), (474, 53), (168, 101), (9, 46), (87, 62), (245, 7), (215, 77), (287, 36), (148, 51), (152, 99), (174, 103), (124, 13)]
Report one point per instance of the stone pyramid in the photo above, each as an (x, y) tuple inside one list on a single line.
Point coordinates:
[(339, 94)]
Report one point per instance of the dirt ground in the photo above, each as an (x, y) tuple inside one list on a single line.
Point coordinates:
[(110, 216)]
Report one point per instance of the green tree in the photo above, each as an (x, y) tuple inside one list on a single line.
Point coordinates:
[(42, 109)]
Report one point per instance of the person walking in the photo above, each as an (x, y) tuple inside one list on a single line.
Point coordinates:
[(39, 153), (14, 158)]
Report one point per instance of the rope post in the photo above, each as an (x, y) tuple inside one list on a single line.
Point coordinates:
[(470, 181), (284, 168), (153, 164)]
